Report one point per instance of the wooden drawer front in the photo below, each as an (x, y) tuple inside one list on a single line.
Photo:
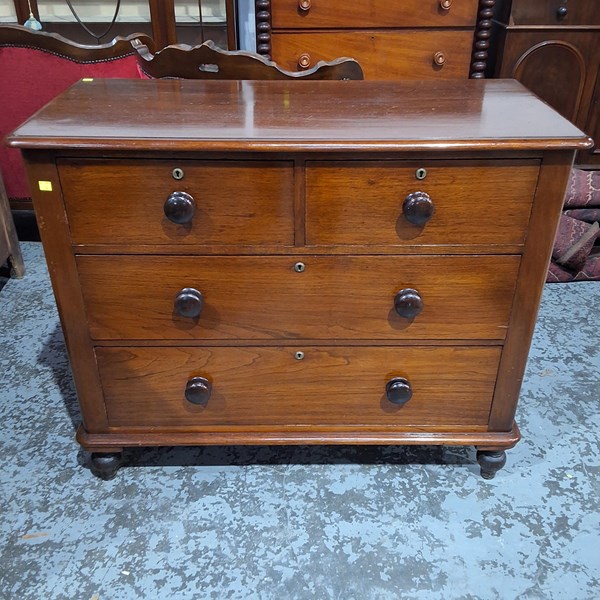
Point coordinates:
[(382, 55), (335, 297), (475, 202), (145, 387), (550, 12), (338, 14), (110, 202)]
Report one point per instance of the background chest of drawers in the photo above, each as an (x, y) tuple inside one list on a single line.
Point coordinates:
[(243, 274), (412, 39), (553, 48)]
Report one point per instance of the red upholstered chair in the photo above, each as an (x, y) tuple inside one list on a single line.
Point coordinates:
[(36, 66)]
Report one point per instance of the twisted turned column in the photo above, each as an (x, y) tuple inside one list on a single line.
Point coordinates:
[(263, 27), (481, 44)]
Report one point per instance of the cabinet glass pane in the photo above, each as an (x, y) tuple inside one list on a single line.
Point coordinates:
[(133, 16), (8, 14), (201, 20)]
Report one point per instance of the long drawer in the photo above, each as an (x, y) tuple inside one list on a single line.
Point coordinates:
[(311, 297), (402, 54), (338, 14), (149, 387), (472, 202), (232, 202), (559, 13)]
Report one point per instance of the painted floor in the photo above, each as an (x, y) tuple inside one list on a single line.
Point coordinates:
[(299, 523)]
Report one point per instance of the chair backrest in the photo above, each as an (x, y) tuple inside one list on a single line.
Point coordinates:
[(207, 61), (36, 66)]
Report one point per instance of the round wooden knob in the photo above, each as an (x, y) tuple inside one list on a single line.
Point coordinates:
[(180, 208), (304, 5), (304, 61), (418, 208), (439, 58), (398, 390), (445, 4), (189, 303), (408, 303), (562, 12), (197, 390)]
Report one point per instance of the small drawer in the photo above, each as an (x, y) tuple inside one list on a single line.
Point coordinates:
[(410, 54), (186, 388), (374, 203), (555, 12), (340, 14), (304, 297), (178, 202)]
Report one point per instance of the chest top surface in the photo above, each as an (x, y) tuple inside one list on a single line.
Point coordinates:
[(171, 115)]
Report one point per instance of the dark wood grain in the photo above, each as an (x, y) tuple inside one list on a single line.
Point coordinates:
[(401, 55), (22, 37), (144, 387), (470, 435), (208, 61), (534, 57), (123, 201), (359, 341), (54, 231), (554, 176), (474, 202), (336, 14), (546, 12), (537, 44), (264, 297), (162, 15), (350, 115), (481, 41), (9, 243), (22, 9)]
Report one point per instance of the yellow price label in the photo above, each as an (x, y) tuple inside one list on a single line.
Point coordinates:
[(45, 186)]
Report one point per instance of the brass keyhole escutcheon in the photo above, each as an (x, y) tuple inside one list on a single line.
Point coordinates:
[(421, 174), (299, 355), (299, 267), (178, 174)]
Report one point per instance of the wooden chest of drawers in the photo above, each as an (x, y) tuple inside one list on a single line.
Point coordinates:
[(235, 262), (412, 39)]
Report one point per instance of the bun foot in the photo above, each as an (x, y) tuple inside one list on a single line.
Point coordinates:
[(105, 465), (491, 462)]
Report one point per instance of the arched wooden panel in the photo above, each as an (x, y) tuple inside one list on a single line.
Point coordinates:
[(554, 70)]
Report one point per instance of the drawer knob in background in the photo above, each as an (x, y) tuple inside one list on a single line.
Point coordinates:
[(398, 390), (562, 12), (304, 61), (445, 4), (418, 208), (439, 58), (408, 303), (197, 390), (180, 208), (304, 5), (189, 303)]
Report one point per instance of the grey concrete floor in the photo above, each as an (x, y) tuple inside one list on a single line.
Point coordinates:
[(295, 522)]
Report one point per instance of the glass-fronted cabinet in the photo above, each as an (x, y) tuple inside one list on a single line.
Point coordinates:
[(167, 21)]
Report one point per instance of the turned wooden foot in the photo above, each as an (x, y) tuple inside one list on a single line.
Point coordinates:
[(106, 464), (491, 461)]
